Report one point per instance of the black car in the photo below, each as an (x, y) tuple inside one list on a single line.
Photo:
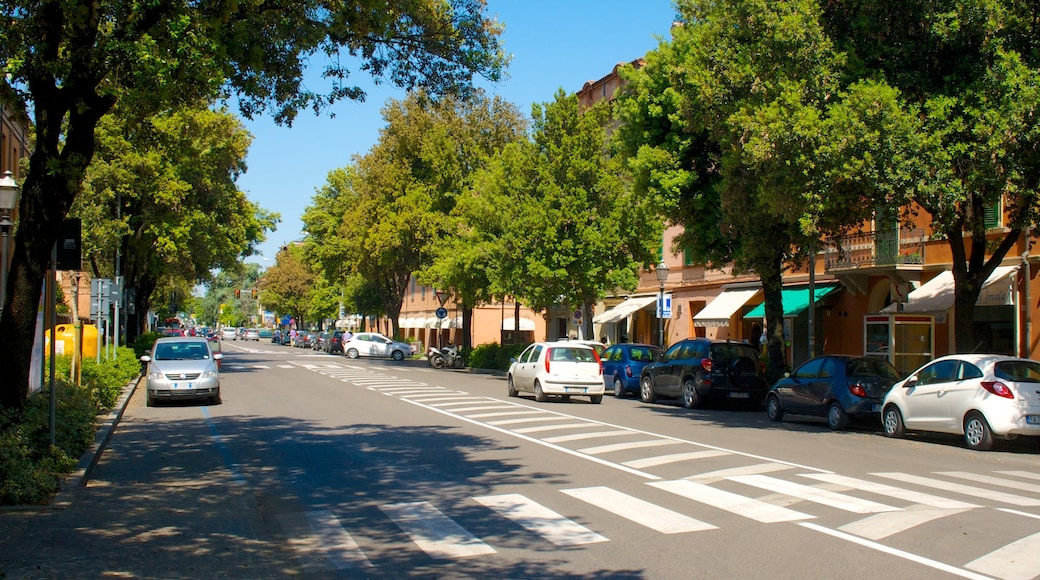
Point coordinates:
[(838, 387), (303, 339), (333, 342), (698, 369)]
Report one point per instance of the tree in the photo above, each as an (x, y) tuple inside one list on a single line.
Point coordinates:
[(163, 191), (572, 228), (722, 125), (71, 63), (285, 286), (947, 123)]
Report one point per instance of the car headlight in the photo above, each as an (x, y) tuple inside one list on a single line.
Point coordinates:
[(209, 374), (155, 375)]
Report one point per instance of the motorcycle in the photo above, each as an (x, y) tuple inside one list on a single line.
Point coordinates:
[(435, 358), (447, 356)]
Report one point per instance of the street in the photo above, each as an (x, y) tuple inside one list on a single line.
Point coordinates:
[(319, 466)]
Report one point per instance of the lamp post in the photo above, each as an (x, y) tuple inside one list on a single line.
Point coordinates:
[(8, 200), (662, 275)]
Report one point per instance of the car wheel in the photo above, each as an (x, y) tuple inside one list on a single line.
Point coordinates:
[(215, 399), (619, 388), (837, 418), (773, 409), (596, 399), (397, 355), (690, 399), (149, 400), (539, 394), (511, 388), (892, 421), (646, 390), (437, 362), (352, 353), (977, 433)]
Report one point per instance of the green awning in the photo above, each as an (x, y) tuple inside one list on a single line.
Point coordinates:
[(796, 300)]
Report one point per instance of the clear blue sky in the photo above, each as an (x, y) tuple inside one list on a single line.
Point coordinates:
[(554, 44)]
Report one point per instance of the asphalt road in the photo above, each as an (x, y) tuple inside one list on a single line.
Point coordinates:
[(319, 466)]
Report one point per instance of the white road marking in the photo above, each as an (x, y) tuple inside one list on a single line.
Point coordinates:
[(674, 458), (489, 408), (458, 401), (501, 414), (553, 427), (530, 420), (891, 491), (435, 533), (320, 541), (814, 494), (998, 481), (894, 552), (734, 503), (261, 366), (286, 366), (541, 520), (713, 476), (1025, 474), (599, 449), (1019, 560), (883, 525), (979, 492), (595, 435), (639, 511)]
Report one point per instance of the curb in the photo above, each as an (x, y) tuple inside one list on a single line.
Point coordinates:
[(78, 479)]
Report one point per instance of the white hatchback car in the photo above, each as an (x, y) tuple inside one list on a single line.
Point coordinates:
[(979, 396), (375, 344), (557, 368)]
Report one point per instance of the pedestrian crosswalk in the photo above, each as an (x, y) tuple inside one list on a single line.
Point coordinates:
[(688, 488)]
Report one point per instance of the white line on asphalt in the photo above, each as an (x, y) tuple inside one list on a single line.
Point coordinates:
[(459, 401), (594, 435), (814, 494), (1019, 560), (320, 542), (599, 449), (487, 408), (979, 492), (1025, 474), (1018, 513), (674, 458), (886, 524), (747, 507), (713, 476), (998, 481), (458, 396), (890, 491), (435, 533), (501, 414), (552, 427), (541, 520), (286, 366), (642, 512), (529, 420), (894, 552)]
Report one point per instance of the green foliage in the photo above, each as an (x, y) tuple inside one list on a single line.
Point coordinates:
[(30, 468), (144, 343), (493, 356), (106, 379)]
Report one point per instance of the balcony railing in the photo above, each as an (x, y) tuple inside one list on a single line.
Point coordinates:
[(875, 249)]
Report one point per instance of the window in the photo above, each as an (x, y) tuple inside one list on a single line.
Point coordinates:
[(991, 215), (940, 372), (809, 370), (968, 371)]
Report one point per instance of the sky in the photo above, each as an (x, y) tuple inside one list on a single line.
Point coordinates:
[(554, 44)]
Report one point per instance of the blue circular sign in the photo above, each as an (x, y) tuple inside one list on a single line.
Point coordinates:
[(441, 312)]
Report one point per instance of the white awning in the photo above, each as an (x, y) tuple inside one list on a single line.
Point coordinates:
[(451, 322), (719, 311), (526, 324), (624, 310), (432, 322), (409, 323), (936, 295)]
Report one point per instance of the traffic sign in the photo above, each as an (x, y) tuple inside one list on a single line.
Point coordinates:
[(441, 312), (664, 306)]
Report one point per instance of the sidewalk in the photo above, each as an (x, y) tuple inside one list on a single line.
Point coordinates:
[(141, 507)]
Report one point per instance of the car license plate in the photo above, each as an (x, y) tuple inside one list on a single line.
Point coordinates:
[(183, 385), (1033, 419), (740, 395), (575, 390)]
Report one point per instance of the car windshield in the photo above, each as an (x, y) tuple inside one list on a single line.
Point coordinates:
[(870, 367), (572, 354), (732, 351), (182, 351), (1017, 370)]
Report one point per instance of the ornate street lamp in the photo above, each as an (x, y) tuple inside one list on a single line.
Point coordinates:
[(662, 275), (9, 191)]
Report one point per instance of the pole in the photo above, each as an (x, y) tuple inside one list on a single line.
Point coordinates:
[(812, 300), (52, 322), (660, 316), (5, 225)]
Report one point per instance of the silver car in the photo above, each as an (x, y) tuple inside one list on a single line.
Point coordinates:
[(182, 368), (375, 344)]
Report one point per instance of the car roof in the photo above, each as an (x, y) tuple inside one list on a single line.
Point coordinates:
[(169, 339)]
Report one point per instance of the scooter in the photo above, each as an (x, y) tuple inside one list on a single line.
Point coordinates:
[(435, 358)]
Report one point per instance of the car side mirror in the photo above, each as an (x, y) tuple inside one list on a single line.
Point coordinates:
[(145, 358), (217, 356), (513, 359), (911, 382), (787, 375), (660, 357)]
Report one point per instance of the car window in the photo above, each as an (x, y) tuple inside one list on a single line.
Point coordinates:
[(968, 371), (536, 353), (809, 370), (673, 352), (829, 368), (571, 354), (610, 354), (940, 372), (1016, 370), (640, 354), (732, 351)]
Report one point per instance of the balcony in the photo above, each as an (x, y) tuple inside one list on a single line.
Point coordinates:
[(898, 254)]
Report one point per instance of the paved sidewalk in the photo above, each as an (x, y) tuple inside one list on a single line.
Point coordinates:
[(150, 509)]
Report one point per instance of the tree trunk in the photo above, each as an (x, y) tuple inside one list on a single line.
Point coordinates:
[(467, 328), (772, 288)]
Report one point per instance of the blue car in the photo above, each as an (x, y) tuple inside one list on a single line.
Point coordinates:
[(622, 365)]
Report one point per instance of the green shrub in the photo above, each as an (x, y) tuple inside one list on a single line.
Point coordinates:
[(144, 342), (30, 468), (107, 378), (493, 356)]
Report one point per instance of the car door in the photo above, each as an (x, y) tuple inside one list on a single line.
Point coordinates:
[(364, 344), (924, 405), (820, 391), (959, 394), (612, 361), (797, 394), (526, 366), (666, 378)]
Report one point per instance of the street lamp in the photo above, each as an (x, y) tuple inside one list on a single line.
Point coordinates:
[(8, 200), (662, 275)]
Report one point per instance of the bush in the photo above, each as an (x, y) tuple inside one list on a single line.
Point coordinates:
[(493, 356), (107, 378), (144, 342), (30, 468)]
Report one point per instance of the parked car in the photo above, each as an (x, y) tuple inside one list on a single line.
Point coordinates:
[(266, 334), (562, 368), (181, 368), (979, 396), (303, 339), (228, 333), (168, 331), (276, 336), (375, 344), (623, 364), (251, 334), (318, 341), (838, 387), (696, 369), (333, 342)]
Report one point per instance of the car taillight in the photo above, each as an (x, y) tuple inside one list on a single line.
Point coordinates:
[(857, 389), (706, 364), (599, 361), (548, 355), (628, 370), (998, 388)]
